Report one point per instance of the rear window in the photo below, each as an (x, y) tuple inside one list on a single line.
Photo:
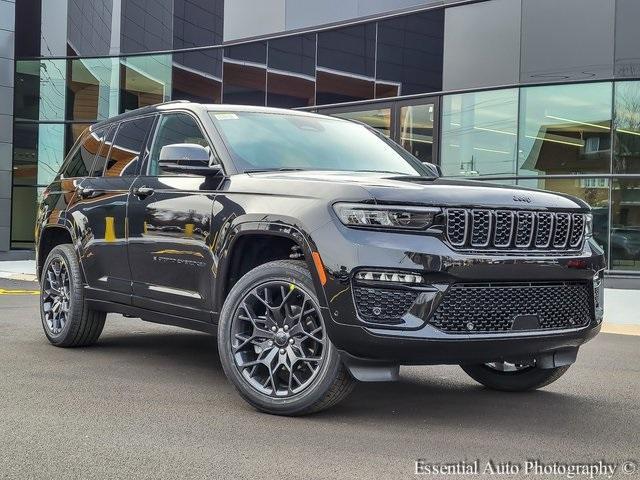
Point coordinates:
[(101, 158), (81, 160)]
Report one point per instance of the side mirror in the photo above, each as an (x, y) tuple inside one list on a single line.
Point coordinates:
[(187, 158), (434, 167)]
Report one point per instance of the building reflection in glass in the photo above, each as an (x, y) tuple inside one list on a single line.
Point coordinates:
[(346, 64), (291, 71), (245, 74)]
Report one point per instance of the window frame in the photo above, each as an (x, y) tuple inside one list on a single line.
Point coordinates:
[(145, 143), (72, 152), (215, 157)]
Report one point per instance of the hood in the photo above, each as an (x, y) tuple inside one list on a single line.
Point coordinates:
[(388, 188)]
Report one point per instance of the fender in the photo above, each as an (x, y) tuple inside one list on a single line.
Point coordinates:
[(280, 226)]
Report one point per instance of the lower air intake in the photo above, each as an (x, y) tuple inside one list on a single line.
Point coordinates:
[(383, 305), (487, 308)]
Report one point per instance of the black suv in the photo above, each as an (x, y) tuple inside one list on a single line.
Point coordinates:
[(317, 250)]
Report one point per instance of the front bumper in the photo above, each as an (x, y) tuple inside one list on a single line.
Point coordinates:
[(416, 340)]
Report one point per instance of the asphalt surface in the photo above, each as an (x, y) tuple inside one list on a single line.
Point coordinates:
[(152, 401)]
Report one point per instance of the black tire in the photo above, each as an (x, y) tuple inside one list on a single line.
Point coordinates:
[(530, 378), (332, 382), (83, 325)]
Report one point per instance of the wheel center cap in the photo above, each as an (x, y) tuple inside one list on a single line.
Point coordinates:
[(281, 337)]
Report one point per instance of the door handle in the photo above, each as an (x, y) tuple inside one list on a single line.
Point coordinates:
[(143, 192), (86, 192)]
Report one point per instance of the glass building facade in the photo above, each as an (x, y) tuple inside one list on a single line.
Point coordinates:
[(538, 93)]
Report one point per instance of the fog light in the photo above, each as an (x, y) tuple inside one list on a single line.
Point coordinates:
[(392, 277), (598, 297)]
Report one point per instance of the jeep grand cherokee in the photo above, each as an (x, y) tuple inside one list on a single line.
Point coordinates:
[(319, 252)]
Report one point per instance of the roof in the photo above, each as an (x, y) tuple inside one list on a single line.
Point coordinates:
[(160, 107)]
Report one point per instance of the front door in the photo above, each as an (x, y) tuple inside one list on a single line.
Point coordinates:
[(170, 221)]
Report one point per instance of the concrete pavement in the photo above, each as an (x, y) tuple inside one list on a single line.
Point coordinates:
[(152, 401)]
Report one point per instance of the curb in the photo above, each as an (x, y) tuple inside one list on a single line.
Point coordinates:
[(25, 277)]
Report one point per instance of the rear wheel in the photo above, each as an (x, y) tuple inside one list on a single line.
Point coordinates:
[(66, 320), (513, 377), (273, 343)]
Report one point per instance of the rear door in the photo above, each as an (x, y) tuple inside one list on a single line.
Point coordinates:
[(101, 208), (171, 263)]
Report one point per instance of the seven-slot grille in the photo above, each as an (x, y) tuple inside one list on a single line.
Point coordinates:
[(483, 228)]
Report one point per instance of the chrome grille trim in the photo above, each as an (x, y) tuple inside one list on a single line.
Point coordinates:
[(499, 231), (526, 221), (457, 234), (562, 230), (514, 230), (544, 229), (481, 222), (577, 230)]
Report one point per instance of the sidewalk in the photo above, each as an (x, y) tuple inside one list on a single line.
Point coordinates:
[(621, 307), (19, 270)]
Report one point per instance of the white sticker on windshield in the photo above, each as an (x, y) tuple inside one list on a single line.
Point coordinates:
[(226, 116)]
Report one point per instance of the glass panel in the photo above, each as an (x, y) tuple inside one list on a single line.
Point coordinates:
[(409, 55), (259, 141), (594, 191), (146, 26), (625, 225), (81, 161), (379, 119), (346, 64), (245, 74), (479, 133), (27, 38), (178, 128), (89, 28), (197, 76), (197, 23), (127, 147), (101, 158), (38, 153), (567, 41), (416, 130), (25, 154), (291, 74), (627, 127), (565, 129), (40, 89), (24, 204), (93, 89), (74, 130), (482, 46), (146, 80), (627, 39)]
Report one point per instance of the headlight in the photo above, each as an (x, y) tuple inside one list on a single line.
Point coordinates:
[(588, 225), (391, 216)]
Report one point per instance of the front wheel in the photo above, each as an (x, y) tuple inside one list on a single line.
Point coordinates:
[(513, 377), (274, 346)]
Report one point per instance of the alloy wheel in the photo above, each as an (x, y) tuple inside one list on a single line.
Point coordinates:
[(278, 339), (56, 296)]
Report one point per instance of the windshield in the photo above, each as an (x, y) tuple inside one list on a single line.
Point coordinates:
[(272, 141)]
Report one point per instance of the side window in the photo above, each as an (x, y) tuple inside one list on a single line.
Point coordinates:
[(82, 157), (106, 137), (174, 128), (126, 151)]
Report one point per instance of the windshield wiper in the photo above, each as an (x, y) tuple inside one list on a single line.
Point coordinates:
[(284, 169), (384, 171)]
